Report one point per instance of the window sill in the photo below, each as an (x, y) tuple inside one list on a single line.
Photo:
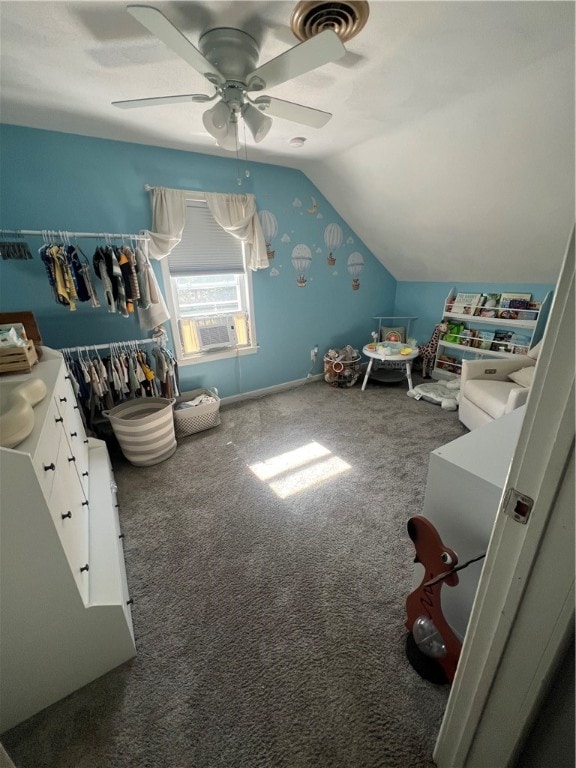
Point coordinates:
[(217, 354)]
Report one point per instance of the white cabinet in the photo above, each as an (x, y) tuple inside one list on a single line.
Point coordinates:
[(479, 335), (65, 614), (465, 481)]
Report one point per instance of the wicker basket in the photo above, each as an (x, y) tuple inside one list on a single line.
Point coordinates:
[(196, 418), (341, 373)]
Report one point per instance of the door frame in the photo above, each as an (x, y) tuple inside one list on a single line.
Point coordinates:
[(523, 613)]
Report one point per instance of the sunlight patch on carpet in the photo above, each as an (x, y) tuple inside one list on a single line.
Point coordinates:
[(301, 469)]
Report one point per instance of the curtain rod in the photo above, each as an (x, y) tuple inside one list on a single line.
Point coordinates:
[(66, 233), (88, 347), (192, 194)]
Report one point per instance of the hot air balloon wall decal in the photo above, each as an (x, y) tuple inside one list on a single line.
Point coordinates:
[(301, 260), (270, 230), (355, 264), (333, 239)]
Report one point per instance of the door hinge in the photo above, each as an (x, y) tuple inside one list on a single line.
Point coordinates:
[(518, 506)]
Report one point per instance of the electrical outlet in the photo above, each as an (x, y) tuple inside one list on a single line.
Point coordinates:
[(312, 355), (315, 350)]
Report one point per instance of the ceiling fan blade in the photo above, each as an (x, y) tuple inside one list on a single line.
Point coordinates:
[(164, 30), (320, 49), (159, 101), (297, 113)]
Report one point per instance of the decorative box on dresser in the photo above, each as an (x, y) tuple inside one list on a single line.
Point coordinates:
[(65, 616)]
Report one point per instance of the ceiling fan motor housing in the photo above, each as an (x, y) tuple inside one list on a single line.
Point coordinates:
[(233, 52), (310, 17)]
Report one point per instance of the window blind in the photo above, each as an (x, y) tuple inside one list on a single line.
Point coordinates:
[(205, 247)]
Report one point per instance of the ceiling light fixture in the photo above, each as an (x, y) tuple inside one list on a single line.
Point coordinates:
[(297, 141), (216, 118), (258, 124)]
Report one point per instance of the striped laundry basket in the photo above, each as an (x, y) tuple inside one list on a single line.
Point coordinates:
[(144, 429)]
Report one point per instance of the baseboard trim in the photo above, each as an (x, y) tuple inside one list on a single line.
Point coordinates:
[(256, 393)]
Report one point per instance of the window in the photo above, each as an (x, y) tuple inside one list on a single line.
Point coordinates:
[(211, 296)]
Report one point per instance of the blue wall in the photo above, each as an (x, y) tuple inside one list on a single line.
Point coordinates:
[(62, 181)]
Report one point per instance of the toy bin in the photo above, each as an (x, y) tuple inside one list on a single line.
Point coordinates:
[(190, 418), (341, 372)]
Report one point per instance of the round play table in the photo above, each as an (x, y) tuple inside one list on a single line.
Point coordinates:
[(376, 352)]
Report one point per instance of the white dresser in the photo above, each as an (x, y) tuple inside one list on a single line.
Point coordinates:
[(65, 616), (466, 478)]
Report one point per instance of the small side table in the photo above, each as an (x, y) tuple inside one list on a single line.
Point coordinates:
[(375, 354)]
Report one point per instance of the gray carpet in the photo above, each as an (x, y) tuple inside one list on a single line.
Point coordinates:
[(269, 631)]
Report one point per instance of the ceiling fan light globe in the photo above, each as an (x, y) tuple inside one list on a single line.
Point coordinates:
[(258, 123), (228, 137), (216, 119)]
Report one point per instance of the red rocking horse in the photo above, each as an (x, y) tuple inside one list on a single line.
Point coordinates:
[(432, 647)]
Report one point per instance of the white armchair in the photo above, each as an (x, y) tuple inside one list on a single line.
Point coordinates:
[(487, 391)]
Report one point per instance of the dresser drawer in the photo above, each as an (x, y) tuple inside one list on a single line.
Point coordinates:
[(71, 517), (73, 427), (45, 458)]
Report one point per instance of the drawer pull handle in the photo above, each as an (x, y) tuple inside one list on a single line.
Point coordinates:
[(85, 503), (73, 434), (67, 378), (59, 421), (84, 474), (49, 466), (130, 601), (64, 515), (71, 458), (84, 568), (63, 400), (85, 442), (121, 536), (77, 407)]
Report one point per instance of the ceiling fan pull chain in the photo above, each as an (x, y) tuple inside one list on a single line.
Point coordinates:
[(238, 177), (246, 169)]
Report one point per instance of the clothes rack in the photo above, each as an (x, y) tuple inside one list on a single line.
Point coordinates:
[(124, 372), (89, 347), (66, 234)]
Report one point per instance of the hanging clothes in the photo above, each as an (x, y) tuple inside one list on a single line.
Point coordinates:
[(126, 373)]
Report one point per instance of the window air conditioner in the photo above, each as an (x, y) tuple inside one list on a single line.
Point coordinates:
[(215, 332)]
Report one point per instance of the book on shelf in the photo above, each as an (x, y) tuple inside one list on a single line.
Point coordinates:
[(508, 314), (448, 363), (467, 337), (465, 303), (487, 305), (487, 312), (483, 339), (501, 341), (506, 298), (520, 343)]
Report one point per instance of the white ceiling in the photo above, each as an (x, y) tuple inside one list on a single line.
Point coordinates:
[(451, 147)]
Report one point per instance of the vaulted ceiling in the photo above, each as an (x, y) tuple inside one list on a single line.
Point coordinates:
[(451, 147)]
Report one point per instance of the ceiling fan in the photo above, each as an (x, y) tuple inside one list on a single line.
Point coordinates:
[(227, 58)]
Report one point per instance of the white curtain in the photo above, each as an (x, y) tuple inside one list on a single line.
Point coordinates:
[(236, 214), (168, 218)]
